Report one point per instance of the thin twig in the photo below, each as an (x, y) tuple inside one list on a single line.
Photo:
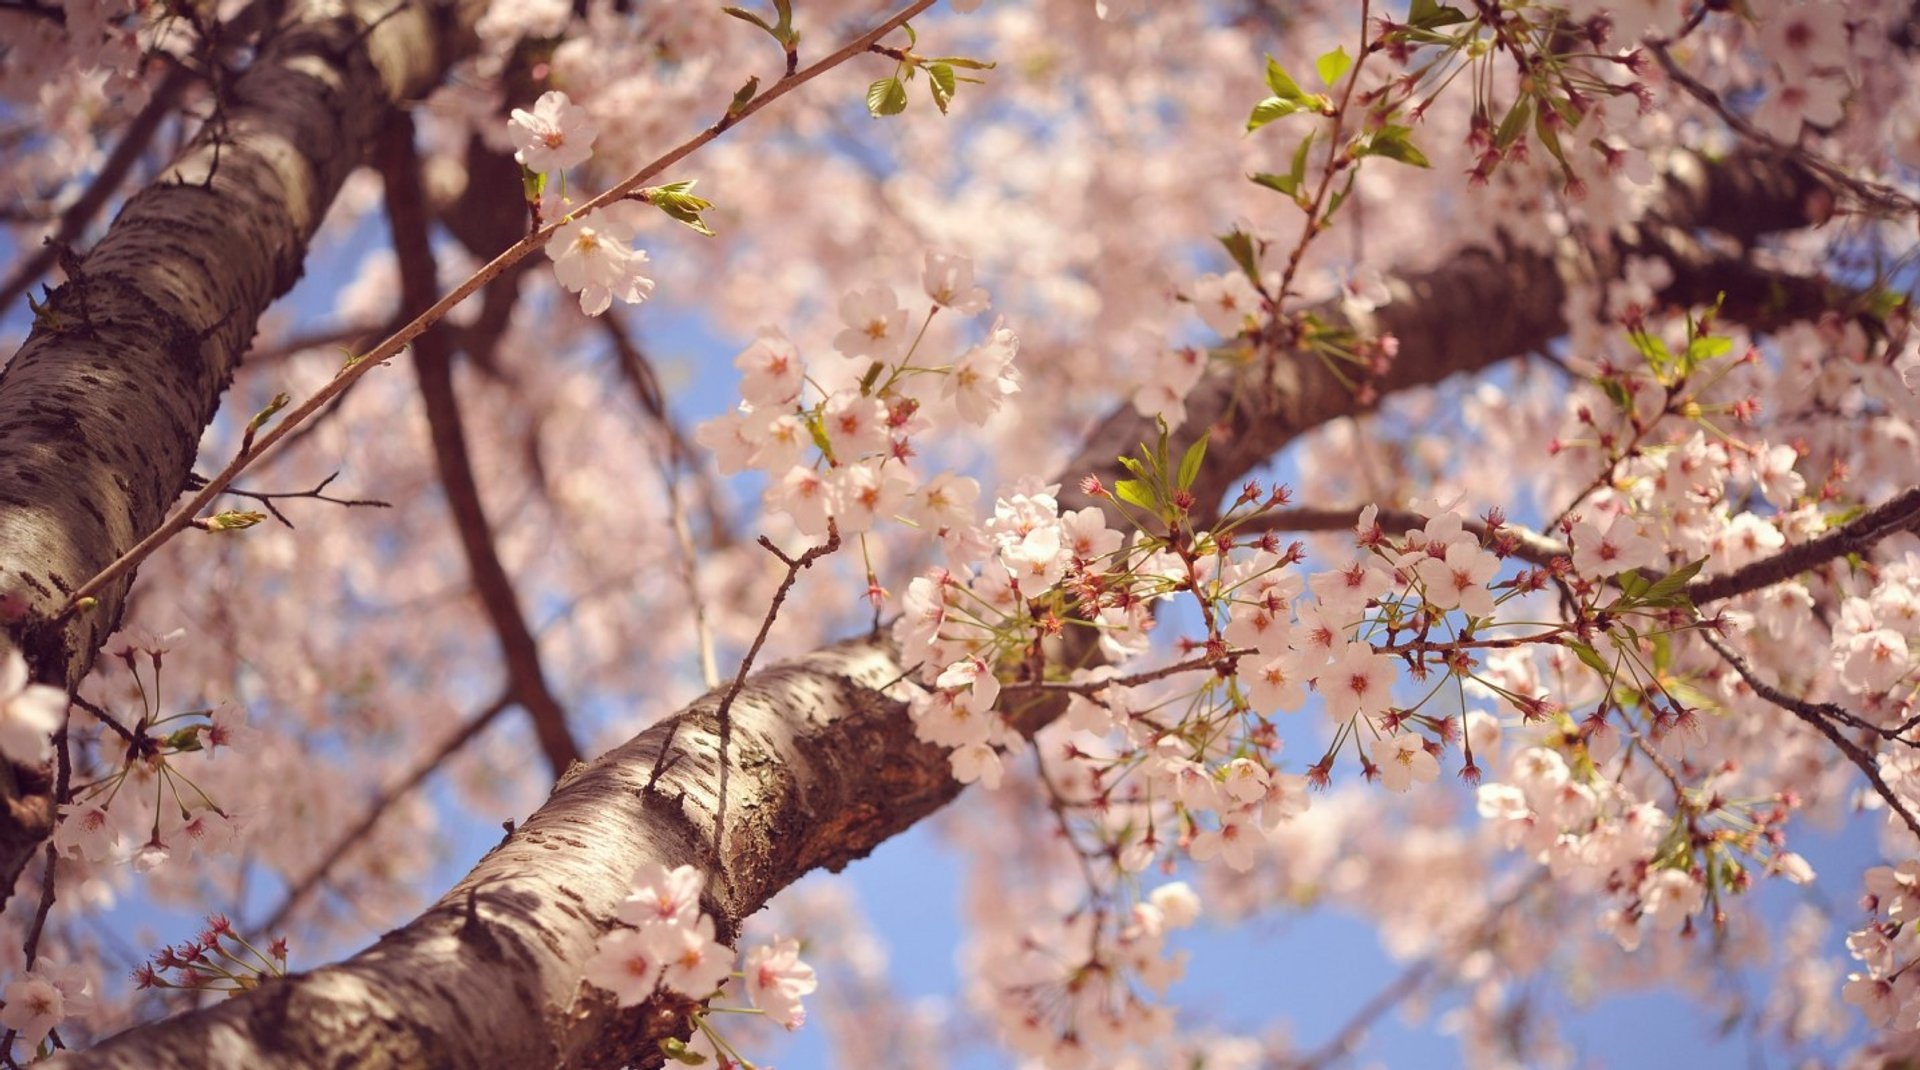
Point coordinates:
[(268, 498), (107, 719), (1530, 546), (723, 712), (1814, 715), (182, 518)]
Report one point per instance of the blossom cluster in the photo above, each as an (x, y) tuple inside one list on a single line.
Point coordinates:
[(668, 942), (148, 806), (39, 999), (1068, 994), (1888, 991), (836, 442), (593, 254)]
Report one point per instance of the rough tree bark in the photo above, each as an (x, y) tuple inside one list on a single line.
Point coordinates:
[(823, 762), (102, 409)]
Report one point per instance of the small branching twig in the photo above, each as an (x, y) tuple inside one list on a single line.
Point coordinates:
[(1821, 717), (723, 712), (317, 493)]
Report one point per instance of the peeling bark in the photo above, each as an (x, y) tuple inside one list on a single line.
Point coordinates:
[(102, 409), (825, 766)]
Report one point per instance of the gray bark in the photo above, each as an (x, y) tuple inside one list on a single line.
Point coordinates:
[(823, 762), (102, 408)]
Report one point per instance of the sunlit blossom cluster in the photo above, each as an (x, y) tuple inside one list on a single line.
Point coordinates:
[(665, 941), (837, 443)]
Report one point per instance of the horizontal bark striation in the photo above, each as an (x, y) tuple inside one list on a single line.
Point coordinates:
[(102, 409), (824, 768)]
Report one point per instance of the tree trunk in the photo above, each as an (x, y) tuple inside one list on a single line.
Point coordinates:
[(102, 409)]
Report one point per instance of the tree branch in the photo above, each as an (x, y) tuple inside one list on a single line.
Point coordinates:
[(1898, 513), (433, 367)]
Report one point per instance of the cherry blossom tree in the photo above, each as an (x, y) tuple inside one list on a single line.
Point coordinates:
[(1452, 464)]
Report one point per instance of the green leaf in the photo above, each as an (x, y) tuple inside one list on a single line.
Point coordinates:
[(677, 200), (743, 97), (1671, 589), (747, 16), (1662, 651), (1333, 65), (1705, 348), (1655, 351), (1268, 110), (677, 1050), (965, 62), (1589, 657), (1286, 184), (231, 520), (1297, 170), (1190, 462), (1428, 15), (1391, 142), (1240, 246), (888, 96), (1281, 83), (1340, 196), (1136, 492), (818, 432), (940, 80), (1514, 124), (1549, 137), (1633, 587), (1616, 392)]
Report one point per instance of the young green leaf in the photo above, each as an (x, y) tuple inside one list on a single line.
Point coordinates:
[(1333, 65), (888, 96), (1281, 83), (1268, 110), (1429, 14), (1391, 142), (1135, 492), (1589, 657), (940, 79), (743, 97), (1286, 184), (1190, 462), (1670, 590), (1240, 246)]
